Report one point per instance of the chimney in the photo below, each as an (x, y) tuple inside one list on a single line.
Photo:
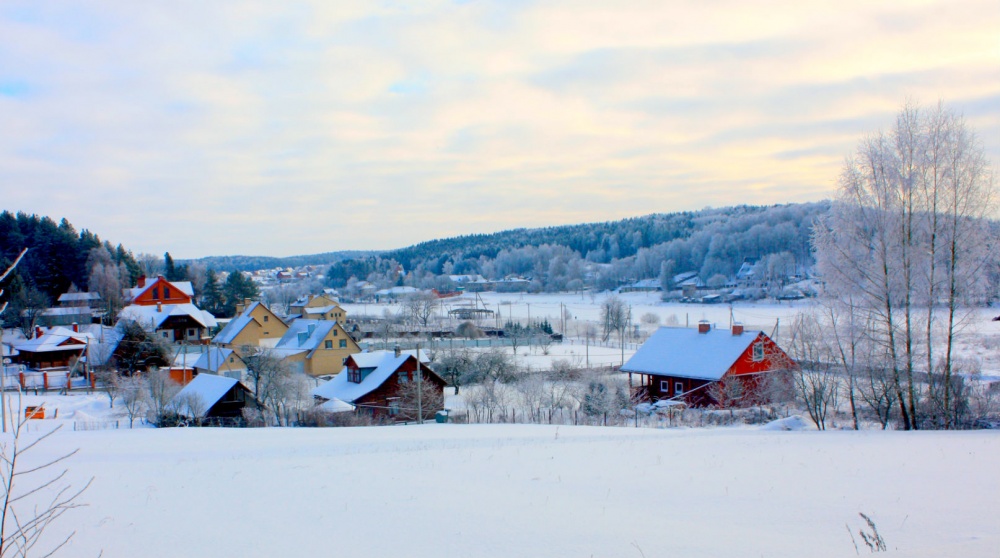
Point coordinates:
[(76, 327), (239, 308), (38, 332), (398, 351), (704, 326), (142, 281), (737, 328), (159, 307)]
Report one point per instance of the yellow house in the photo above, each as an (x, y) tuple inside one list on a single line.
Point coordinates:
[(255, 326), (318, 307), (316, 347)]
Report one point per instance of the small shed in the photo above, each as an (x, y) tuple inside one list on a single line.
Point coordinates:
[(211, 396)]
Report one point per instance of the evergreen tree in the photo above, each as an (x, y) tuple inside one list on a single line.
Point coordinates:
[(237, 289), (212, 297)]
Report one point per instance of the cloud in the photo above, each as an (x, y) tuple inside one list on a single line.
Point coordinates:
[(316, 126)]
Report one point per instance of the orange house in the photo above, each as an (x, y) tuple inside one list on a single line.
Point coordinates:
[(160, 291)]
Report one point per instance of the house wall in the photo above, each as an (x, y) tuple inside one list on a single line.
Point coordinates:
[(174, 295), (379, 398), (750, 372), (271, 326), (331, 361)]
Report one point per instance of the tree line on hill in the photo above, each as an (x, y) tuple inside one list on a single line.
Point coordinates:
[(710, 242)]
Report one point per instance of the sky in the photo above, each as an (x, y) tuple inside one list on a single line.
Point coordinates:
[(284, 128)]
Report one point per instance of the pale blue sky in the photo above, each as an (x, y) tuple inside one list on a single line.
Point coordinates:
[(290, 128)]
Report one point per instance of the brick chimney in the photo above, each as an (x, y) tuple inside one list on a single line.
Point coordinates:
[(737, 328), (38, 332), (398, 351), (159, 307), (76, 327), (141, 282), (704, 326)]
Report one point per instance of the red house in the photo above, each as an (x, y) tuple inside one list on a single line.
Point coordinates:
[(160, 291), (374, 382), (683, 364)]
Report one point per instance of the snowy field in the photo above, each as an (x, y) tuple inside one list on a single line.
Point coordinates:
[(524, 490)]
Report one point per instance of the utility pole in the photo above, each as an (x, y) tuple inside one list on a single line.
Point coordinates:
[(420, 389)]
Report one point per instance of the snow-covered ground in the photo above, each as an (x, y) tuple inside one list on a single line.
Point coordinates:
[(526, 490)]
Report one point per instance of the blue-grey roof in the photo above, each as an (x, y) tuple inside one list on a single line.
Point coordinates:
[(685, 353), (313, 332), (233, 328), (213, 359)]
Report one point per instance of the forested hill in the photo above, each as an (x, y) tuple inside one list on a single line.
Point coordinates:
[(57, 254), (710, 242), (251, 263)]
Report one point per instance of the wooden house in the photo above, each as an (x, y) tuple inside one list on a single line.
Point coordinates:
[(316, 347), (174, 323), (373, 383), (211, 396), (159, 291), (56, 348), (255, 326), (318, 307), (683, 364)]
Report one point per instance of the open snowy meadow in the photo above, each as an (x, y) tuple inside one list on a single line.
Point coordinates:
[(526, 490)]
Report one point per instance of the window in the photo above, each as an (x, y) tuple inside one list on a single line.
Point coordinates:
[(156, 293), (164, 335), (335, 332), (231, 360), (166, 292), (265, 317), (328, 344), (190, 333), (354, 375), (758, 352), (343, 343), (393, 407), (403, 376), (665, 386), (678, 388)]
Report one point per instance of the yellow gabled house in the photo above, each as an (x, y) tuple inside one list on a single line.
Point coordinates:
[(316, 347), (255, 326), (318, 307)]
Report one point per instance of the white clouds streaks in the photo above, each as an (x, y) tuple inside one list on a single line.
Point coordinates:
[(285, 129)]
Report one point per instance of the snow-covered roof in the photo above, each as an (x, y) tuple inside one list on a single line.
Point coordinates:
[(234, 327), (304, 335), (335, 406), (60, 339), (208, 387), (68, 311), (214, 358), (182, 286), (404, 290), (79, 297), (154, 316), (386, 363), (321, 310), (686, 353)]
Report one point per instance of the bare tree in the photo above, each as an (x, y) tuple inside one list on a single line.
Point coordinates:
[(729, 393), (909, 236), (193, 405), (815, 378), (430, 396), (134, 394), (161, 389), (420, 307), (110, 379), (34, 495)]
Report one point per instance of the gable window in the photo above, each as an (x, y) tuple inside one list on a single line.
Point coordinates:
[(231, 359), (156, 293), (335, 332), (343, 343), (265, 318), (404, 376), (328, 344), (166, 292), (758, 352), (354, 375)]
